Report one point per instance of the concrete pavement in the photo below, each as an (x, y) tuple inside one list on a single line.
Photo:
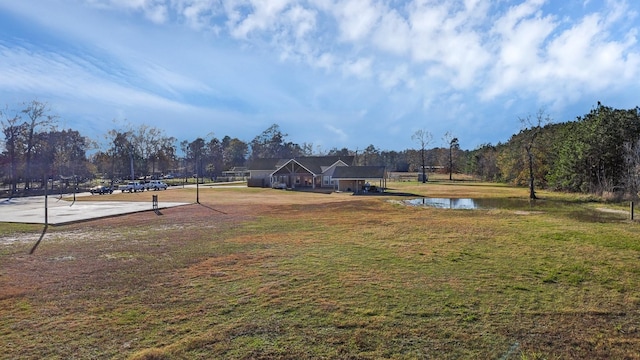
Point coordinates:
[(31, 210)]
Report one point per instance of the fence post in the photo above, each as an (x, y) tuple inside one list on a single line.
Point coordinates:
[(631, 210)]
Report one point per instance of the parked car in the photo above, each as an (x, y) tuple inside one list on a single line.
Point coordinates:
[(156, 185), (101, 189), (279, 185), (132, 186)]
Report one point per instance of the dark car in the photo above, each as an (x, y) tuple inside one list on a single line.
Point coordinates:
[(101, 189)]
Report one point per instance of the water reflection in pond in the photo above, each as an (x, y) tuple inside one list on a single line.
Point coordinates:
[(471, 204)]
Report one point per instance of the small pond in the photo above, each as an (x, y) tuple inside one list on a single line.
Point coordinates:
[(560, 208), (471, 204)]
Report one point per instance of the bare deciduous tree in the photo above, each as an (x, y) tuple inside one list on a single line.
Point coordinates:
[(632, 160), (535, 127), (38, 117), (13, 131), (423, 139)]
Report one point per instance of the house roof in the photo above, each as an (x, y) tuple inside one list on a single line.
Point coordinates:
[(318, 164), (359, 172), (314, 164), (265, 164)]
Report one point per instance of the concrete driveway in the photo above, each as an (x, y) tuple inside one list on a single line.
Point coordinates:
[(31, 210)]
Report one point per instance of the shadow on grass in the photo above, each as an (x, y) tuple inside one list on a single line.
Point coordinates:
[(35, 246), (212, 209)]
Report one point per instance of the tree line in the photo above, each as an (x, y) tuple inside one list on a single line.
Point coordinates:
[(596, 153)]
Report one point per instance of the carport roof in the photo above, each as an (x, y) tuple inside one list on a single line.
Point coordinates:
[(359, 172)]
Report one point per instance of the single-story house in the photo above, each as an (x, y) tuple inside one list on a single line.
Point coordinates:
[(310, 171), (332, 172)]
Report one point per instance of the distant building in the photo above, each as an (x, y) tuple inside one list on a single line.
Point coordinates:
[(328, 172), (236, 172)]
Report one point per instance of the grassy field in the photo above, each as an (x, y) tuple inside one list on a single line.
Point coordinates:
[(264, 274)]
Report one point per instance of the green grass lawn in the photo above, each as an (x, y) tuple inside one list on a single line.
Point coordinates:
[(324, 276)]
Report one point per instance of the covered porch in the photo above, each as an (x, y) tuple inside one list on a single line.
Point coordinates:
[(293, 175)]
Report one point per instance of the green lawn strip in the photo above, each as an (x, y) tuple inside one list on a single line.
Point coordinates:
[(8, 229)]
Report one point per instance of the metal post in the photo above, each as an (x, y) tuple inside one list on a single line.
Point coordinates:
[(46, 208), (197, 191), (631, 210), (75, 189), (198, 181), (133, 177)]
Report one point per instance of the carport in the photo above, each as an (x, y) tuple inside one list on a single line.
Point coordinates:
[(359, 178)]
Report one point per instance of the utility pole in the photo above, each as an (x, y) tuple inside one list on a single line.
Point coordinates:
[(131, 162)]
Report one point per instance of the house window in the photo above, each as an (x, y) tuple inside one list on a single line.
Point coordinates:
[(326, 180)]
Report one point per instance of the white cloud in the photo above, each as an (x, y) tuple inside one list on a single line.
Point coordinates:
[(198, 14), (521, 33), (292, 34), (581, 56), (447, 39), (339, 133), (559, 64), (360, 68), (156, 13), (301, 20), (426, 24), (171, 81), (355, 18), (325, 61), (260, 15), (399, 75), (393, 34), (154, 10)]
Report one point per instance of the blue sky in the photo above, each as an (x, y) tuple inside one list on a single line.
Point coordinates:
[(346, 73)]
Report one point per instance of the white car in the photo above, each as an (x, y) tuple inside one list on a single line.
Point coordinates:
[(156, 185), (132, 186)]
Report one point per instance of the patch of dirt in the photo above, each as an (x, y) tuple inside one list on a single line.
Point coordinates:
[(612, 211), (69, 255), (524, 212), (18, 238)]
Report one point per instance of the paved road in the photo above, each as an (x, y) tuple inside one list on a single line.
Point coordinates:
[(31, 210)]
